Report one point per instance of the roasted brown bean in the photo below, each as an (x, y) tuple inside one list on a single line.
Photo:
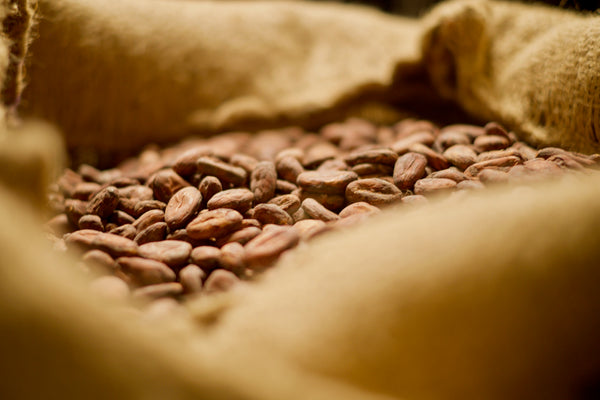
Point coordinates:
[(272, 214), (237, 199), (174, 253), (182, 207), (331, 182), (433, 185), (263, 181), (373, 191), (409, 168), (266, 247), (165, 184), (226, 173), (143, 271)]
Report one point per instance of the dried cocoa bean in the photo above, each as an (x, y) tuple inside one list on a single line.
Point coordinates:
[(91, 221), (127, 231), (403, 145), (284, 187), (165, 184), (434, 160), (272, 214), (143, 271), (449, 173), (240, 200), (359, 207), (495, 129), (373, 191), (137, 193), (149, 218), (144, 206), (429, 186), (415, 199), (367, 170), (491, 142), (226, 173), (409, 168), (153, 233), (191, 278), (220, 280), (333, 202), (503, 163), (288, 202), (244, 161), (317, 211), (182, 207), (157, 291), (461, 156), (214, 224), (233, 258), (266, 247), (309, 228), (99, 261), (318, 153), (208, 187), (243, 236), (186, 163), (119, 218), (372, 156), (85, 190), (469, 185), (206, 257), (492, 176), (288, 168), (263, 181), (115, 245), (174, 253), (75, 209), (331, 182)]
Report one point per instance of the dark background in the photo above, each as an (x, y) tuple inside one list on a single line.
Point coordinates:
[(418, 7)]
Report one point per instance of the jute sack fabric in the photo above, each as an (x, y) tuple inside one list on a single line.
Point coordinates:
[(487, 297), (119, 74), (143, 71), (534, 68), (451, 301)]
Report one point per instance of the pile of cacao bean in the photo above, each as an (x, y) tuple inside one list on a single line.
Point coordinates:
[(202, 215)]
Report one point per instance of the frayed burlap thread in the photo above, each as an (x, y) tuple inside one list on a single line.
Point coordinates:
[(16, 27)]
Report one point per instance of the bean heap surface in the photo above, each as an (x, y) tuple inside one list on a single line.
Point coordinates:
[(202, 215)]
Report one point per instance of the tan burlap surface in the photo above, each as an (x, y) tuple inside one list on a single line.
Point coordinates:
[(536, 69), (486, 297), (141, 71)]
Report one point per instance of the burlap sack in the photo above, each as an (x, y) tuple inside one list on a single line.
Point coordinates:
[(488, 297), (119, 74), (152, 71), (534, 68)]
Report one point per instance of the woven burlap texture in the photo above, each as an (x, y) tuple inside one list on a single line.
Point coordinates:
[(534, 68), (142, 71), (120, 74)]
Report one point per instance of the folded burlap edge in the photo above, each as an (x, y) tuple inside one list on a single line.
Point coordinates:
[(31, 153)]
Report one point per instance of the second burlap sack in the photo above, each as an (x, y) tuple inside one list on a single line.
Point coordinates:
[(534, 68)]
